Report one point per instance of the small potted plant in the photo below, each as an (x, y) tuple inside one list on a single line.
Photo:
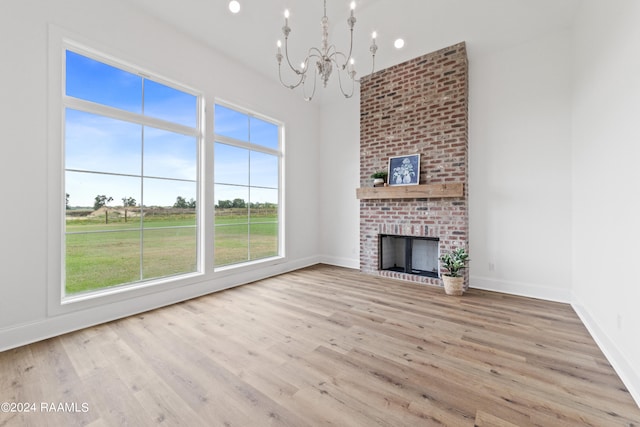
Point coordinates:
[(379, 178), (453, 262)]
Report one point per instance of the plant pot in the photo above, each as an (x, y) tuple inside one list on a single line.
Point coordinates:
[(378, 182), (453, 285)]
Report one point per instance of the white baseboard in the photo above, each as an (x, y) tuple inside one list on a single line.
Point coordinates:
[(27, 333), (340, 262), (625, 370), (532, 290)]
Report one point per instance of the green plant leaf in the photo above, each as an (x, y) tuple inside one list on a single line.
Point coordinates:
[(454, 261)]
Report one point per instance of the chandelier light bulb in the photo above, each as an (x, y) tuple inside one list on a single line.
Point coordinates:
[(374, 35), (353, 5), (234, 6), (286, 13)]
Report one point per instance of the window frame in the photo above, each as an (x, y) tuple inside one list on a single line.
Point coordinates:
[(58, 301), (115, 302), (279, 153)]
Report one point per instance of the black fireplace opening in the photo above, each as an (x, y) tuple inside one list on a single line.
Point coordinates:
[(409, 254)]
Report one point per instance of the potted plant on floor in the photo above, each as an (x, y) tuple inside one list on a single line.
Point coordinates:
[(454, 262), (379, 178)]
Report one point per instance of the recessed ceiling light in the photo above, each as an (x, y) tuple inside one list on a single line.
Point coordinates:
[(234, 6), (399, 43)]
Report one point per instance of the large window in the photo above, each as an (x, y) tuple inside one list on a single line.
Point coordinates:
[(131, 176), (246, 176)]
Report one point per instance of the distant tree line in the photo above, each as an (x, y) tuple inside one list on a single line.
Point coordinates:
[(241, 204), (102, 200), (182, 203)]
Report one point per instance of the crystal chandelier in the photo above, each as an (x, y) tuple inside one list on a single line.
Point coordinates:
[(325, 58)]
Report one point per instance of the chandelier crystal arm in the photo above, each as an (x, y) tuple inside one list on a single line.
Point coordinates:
[(334, 56), (353, 84), (373, 49), (351, 21), (302, 74), (313, 91), (286, 55), (311, 53), (290, 86)]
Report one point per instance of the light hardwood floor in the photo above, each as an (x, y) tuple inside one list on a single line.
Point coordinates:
[(325, 346)]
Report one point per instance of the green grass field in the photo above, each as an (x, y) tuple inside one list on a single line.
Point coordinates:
[(100, 255)]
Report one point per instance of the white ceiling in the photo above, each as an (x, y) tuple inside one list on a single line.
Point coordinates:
[(426, 25)]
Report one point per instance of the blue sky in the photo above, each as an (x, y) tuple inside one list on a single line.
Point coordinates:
[(105, 156), (240, 126)]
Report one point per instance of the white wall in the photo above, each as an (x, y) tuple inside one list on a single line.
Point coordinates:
[(520, 169), (606, 178), (122, 32), (340, 160)]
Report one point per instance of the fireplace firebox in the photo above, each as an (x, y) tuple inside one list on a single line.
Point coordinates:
[(409, 254)]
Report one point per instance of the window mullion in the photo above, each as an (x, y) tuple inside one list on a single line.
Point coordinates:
[(142, 128), (115, 113), (249, 204), (244, 144)]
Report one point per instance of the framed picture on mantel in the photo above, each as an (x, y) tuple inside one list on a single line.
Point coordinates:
[(404, 170)]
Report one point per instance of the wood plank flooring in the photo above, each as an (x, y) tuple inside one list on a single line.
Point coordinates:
[(324, 346)]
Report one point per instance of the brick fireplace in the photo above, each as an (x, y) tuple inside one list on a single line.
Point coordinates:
[(417, 107)]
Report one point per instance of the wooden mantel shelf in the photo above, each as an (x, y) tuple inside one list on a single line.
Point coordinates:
[(427, 191)]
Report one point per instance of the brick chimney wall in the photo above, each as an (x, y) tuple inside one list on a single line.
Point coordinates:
[(417, 107)]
